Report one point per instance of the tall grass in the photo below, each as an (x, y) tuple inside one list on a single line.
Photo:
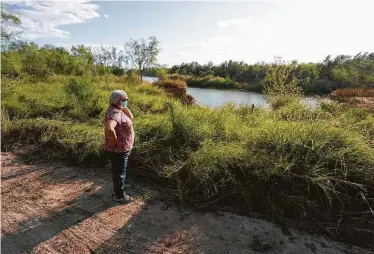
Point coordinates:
[(292, 162)]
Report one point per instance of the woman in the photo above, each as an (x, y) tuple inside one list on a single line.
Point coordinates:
[(119, 140)]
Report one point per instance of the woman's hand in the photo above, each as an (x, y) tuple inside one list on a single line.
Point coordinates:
[(128, 112)]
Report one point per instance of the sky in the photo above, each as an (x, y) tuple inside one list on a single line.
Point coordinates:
[(249, 31)]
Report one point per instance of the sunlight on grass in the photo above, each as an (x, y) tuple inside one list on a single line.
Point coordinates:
[(293, 161)]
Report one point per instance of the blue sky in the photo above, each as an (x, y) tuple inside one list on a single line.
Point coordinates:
[(207, 31)]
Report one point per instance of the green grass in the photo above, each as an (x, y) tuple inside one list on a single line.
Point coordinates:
[(291, 162)]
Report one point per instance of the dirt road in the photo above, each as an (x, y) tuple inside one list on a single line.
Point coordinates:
[(52, 208)]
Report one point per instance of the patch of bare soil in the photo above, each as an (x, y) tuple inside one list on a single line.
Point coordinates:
[(364, 102), (52, 208)]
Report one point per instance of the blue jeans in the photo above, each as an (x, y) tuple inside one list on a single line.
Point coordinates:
[(119, 167)]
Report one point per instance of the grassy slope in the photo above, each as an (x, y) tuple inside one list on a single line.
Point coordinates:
[(294, 162)]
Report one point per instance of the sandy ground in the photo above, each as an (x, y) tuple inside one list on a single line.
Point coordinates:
[(52, 208), (364, 102)]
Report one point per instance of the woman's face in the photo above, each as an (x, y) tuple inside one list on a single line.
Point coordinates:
[(122, 103)]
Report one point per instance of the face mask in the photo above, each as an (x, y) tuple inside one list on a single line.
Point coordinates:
[(124, 104)]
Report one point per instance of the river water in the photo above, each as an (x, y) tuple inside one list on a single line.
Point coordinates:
[(218, 97)]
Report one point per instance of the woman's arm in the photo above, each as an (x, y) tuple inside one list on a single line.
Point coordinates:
[(112, 133)]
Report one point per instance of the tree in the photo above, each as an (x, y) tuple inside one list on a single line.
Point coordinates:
[(280, 84), (84, 59), (108, 60), (8, 20), (280, 80), (142, 54)]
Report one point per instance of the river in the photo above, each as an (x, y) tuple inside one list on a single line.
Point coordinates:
[(217, 97)]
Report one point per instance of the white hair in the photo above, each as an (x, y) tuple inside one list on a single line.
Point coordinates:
[(116, 96)]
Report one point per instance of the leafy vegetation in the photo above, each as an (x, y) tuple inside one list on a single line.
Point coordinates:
[(295, 162), (281, 86), (8, 20), (315, 78), (289, 161), (27, 58)]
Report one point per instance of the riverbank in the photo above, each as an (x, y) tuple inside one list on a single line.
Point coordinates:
[(293, 162), (363, 98)]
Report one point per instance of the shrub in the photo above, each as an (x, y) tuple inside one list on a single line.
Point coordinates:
[(280, 101), (169, 83), (281, 86), (22, 100), (133, 78), (254, 87), (319, 86), (11, 65), (280, 80), (84, 96)]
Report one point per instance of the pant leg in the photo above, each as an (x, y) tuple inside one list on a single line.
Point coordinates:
[(122, 171), (115, 160), (119, 167)]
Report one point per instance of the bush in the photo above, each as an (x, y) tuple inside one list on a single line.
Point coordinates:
[(319, 86), (133, 78), (84, 96), (11, 65), (28, 100), (169, 83), (281, 86), (254, 87), (280, 101)]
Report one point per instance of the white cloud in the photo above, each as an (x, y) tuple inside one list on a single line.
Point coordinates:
[(106, 16), (42, 19), (235, 22)]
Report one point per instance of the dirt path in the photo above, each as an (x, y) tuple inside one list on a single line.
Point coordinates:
[(59, 209)]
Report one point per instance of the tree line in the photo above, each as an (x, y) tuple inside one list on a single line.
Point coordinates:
[(20, 57), (343, 71)]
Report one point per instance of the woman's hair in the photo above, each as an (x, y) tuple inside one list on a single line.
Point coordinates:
[(116, 96)]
